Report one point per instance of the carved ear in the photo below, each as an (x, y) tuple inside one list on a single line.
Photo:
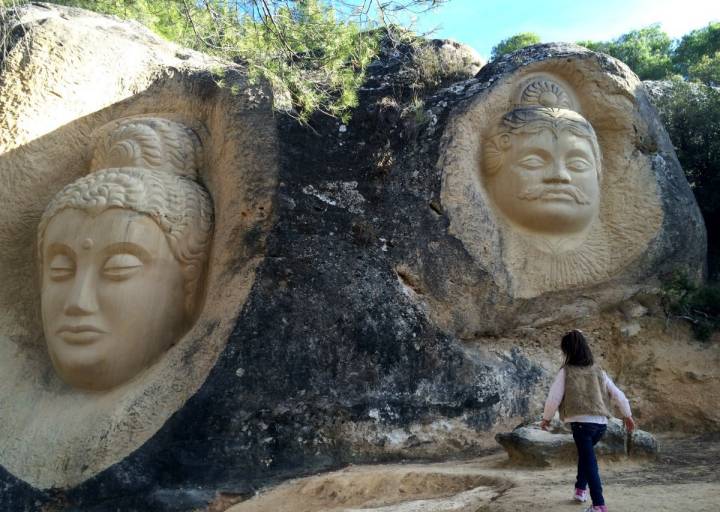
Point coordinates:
[(494, 150)]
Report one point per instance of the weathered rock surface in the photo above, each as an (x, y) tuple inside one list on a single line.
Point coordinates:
[(659, 89), (644, 198), (528, 444), (371, 331), (385, 488)]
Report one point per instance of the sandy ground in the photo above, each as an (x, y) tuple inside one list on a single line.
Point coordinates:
[(684, 478)]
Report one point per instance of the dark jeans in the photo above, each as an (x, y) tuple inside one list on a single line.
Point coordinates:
[(586, 436)]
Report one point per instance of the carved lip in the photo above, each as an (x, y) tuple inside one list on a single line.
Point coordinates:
[(79, 334), (559, 194)]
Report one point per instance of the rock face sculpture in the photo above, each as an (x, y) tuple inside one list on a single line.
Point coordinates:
[(352, 277), (132, 234), (543, 166), (555, 181), (136, 203)]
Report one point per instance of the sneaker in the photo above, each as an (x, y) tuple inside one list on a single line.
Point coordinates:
[(597, 508), (580, 495)]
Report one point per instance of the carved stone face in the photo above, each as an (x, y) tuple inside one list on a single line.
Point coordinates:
[(548, 182), (112, 296)]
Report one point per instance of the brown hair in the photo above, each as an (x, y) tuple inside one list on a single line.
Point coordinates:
[(576, 349)]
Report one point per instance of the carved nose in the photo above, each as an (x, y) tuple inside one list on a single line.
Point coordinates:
[(82, 299), (557, 173)]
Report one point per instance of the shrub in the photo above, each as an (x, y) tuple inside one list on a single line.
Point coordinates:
[(513, 43), (691, 115), (696, 303), (313, 55), (696, 51), (646, 51)]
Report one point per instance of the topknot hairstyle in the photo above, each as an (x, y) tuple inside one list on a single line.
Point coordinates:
[(150, 143), (150, 166)]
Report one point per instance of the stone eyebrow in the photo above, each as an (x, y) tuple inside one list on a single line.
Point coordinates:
[(129, 248), (55, 248)]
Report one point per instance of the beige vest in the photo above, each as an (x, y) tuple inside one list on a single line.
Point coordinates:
[(584, 392)]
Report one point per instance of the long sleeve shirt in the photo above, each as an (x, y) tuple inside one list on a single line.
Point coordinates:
[(557, 392)]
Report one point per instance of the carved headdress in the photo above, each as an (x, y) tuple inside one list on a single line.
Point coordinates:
[(148, 165), (539, 105)]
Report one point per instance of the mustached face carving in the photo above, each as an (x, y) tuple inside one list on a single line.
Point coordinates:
[(543, 169)]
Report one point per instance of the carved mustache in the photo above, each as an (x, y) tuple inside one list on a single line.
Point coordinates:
[(540, 191)]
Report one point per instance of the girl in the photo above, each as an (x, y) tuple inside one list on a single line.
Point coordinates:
[(581, 390)]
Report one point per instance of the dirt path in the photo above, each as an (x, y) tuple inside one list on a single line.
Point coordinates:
[(684, 478)]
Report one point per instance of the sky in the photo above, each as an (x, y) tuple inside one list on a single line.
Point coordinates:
[(483, 23)]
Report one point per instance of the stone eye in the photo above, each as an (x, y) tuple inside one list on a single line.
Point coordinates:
[(121, 266), (61, 267), (532, 162), (578, 164)]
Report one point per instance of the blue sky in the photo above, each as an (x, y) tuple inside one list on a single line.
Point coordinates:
[(483, 23)]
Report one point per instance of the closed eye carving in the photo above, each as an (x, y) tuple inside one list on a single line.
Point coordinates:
[(119, 267), (532, 162), (578, 164), (61, 267)]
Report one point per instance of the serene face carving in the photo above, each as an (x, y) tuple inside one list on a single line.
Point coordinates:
[(112, 295), (544, 174), (548, 182), (122, 253)]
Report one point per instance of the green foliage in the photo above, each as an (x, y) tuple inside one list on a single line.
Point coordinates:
[(654, 56), (163, 17), (698, 304), (691, 115), (706, 70), (313, 55), (647, 51), (432, 67), (309, 55), (698, 49), (513, 43)]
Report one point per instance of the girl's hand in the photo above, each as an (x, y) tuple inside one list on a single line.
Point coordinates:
[(629, 424), (544, 424)]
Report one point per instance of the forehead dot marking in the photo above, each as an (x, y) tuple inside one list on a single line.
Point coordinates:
[(87, 243)]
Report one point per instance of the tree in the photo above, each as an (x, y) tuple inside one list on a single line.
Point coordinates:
[(648, 51), (696, 46), (707, 70), (313, 52), (691, 115), (513, 43), (697, 56)]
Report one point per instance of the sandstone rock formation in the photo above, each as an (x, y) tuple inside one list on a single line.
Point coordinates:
[(121, 139), (538, 273), (361, 304), (528, 444)]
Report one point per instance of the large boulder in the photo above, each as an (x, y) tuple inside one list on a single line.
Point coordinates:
[(530, 445), (363, 302), (531, 263)]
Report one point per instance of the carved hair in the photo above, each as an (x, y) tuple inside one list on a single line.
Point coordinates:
[(149, 143), (531, 120), (154, 168)]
